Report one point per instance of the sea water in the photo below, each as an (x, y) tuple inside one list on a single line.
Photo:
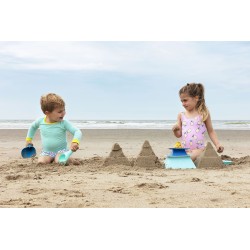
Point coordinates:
[(129, 124)]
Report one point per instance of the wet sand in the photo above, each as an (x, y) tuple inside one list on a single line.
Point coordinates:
[(87, 183)]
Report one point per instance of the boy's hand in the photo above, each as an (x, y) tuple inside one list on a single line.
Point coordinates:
[(29, 142), (74, 146)]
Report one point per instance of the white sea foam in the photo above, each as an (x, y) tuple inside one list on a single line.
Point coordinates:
[(128, 124)]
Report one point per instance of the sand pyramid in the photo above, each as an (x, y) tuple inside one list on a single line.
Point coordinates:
[(116, 157), (209, 158), (147, 157)]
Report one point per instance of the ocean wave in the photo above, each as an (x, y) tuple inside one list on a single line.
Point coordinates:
[(128, 124)]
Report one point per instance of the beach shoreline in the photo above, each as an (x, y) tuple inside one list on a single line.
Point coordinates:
[(98, 142), (89, 184)]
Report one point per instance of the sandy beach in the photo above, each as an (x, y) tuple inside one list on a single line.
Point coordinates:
[(87, 183)]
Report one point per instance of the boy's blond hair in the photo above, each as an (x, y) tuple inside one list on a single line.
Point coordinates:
[(51, 101)]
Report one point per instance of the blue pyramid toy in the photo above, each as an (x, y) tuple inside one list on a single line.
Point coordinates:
[(179, 159), (28, 151)]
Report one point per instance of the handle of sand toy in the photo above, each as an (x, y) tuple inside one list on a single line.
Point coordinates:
[(63, 158), (29, 151)]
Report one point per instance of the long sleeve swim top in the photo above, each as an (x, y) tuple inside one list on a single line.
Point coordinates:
[(53, 135)]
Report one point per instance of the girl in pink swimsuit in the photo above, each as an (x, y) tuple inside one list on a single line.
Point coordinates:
[(193, 132), (192, 125)]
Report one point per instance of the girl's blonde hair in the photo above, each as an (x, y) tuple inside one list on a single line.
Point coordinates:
[(50, 102), (193, 90)]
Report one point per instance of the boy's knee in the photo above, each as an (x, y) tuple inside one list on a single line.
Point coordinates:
[(57, 158), (44, 160)]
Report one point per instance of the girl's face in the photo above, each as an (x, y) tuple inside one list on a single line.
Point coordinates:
[(188, 102), (56, 115)]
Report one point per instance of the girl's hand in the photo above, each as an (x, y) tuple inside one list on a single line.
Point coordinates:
[(74, 146), (175, 127), (219, 148)]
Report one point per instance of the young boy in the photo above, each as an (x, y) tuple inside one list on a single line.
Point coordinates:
[(53, 129)]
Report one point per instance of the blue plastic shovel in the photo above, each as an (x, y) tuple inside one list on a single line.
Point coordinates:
[(63, 158), (28, 151)]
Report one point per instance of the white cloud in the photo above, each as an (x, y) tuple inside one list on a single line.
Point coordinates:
[(53, 56), (120, 56), (216, 62), (106, 52)]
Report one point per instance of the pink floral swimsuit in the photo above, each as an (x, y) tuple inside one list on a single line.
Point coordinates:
[(193, 132)]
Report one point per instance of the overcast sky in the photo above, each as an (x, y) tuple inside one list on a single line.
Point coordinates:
[(123, 80)]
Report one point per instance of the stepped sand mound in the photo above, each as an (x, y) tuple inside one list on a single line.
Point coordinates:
[(209, 158), (116, 157), (147, 157)]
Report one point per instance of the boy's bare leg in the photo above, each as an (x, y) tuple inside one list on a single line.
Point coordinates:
[(57, 158), (45, 159)]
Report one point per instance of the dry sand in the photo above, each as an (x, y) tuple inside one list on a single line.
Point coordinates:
[(91, 184)]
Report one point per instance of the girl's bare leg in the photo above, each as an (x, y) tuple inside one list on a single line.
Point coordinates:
[(194, 154)]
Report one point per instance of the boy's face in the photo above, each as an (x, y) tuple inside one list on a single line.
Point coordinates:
[(56, 115)]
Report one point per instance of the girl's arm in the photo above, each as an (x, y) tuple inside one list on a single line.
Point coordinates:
[(212, 134), (177, 128)]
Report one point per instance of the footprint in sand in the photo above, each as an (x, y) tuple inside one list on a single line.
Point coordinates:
[(215, 200), (118, 190), (195, 179), (14, 177), (151, 185), (33, 191), (75, 204), (70, 193)]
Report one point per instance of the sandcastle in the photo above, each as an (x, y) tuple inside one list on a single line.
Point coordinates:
[(209, 158), (116, 157), (147, 157)]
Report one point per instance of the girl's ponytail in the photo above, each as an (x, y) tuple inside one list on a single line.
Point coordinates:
[(201, 104)]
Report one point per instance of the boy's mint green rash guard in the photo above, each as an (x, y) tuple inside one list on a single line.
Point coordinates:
[(53, 135)]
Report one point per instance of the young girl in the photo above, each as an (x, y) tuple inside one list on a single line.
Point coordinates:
[(53, 129), (192, 124)]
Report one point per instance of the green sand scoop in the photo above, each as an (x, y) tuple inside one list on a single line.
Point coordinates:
[(63, 158)]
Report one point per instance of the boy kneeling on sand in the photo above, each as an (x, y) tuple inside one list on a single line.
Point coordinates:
[(53, 130)]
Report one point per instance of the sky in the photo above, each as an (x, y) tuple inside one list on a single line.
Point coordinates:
[(123, 80)]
